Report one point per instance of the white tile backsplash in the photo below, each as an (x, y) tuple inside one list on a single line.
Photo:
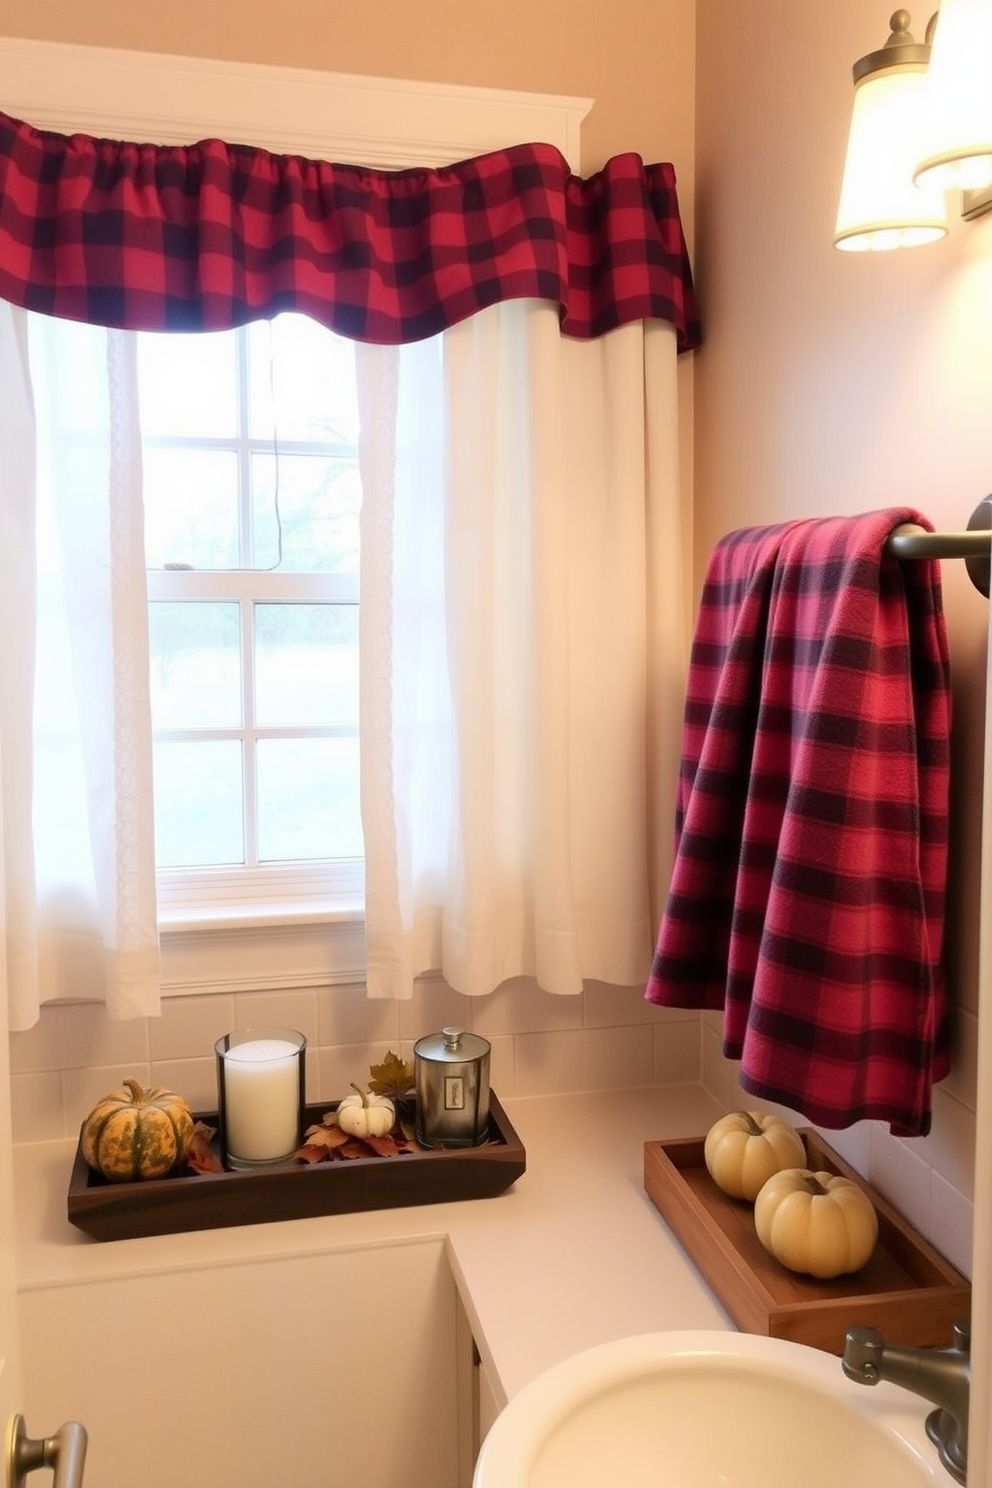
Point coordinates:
[(962, 1082), (330, 1074), (196, 1078), (289, 1009), (502, 1066), (676, 1053), (899, 1170), (605, 1038), (189, 1027), (37, 1113), (518, 1006), (87, 1041), (39, 1048), (346, 1016), (950, 1147), (607, 1006), (433, 1006), (952, 1218), (614, 1058), (550, 1062)]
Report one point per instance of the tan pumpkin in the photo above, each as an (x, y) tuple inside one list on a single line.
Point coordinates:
[(136, 1133), (744, 1148), (818, 1223)]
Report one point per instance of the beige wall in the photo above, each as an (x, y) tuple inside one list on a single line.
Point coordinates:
[(635, 57)]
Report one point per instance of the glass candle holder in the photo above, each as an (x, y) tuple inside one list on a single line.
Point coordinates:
[(261, 1088)]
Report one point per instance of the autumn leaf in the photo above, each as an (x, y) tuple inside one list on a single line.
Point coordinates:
[(200, 1157), (326, 1142), (311, 1152), (321, 1140), (326, 1135), (392, 1077), (382, 1146), (354, 1147)]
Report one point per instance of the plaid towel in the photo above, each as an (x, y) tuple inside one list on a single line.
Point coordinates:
[(808, 891)]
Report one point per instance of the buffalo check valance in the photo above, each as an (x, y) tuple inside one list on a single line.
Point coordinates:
[(212, 235)]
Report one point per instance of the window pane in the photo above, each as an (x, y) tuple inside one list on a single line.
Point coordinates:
[(195, 654), (191, 507), (308, 804), (301, 382), (305, 512), (306, 665), (198, 804), (186, 383)]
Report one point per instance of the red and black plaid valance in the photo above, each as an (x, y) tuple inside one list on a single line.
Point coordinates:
[(208, 236)]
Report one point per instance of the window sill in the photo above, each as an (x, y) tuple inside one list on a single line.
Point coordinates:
[(224, 949), (185, 918)]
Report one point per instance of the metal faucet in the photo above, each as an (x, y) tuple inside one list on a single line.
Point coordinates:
[(940, 1375)]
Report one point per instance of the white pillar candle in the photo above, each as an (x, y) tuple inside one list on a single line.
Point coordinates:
[(261, 1099)]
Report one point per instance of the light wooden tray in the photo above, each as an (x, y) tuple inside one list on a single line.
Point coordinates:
[(907, 1290)]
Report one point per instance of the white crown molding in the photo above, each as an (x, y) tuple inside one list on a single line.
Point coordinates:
[(169, 99)]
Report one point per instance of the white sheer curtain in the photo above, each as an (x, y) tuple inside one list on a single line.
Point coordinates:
[(17, 602), (74, 710), (522, 612)]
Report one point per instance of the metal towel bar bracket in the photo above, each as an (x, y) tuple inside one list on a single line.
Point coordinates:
[(64, 1453), (974, 545)]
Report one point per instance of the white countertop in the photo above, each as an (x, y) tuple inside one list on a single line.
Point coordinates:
[(573, 1255)]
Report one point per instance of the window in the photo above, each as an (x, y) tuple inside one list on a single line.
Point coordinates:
[(252, 498)]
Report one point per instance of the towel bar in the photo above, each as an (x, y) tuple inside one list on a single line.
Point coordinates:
[(974, 545)]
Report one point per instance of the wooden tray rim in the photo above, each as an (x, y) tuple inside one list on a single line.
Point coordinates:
[(695, 1227), (893, 1226)]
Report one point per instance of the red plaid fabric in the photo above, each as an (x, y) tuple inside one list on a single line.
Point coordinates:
[(807, 895), (208, 236)]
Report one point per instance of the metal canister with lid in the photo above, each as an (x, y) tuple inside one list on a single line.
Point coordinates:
[(451, 1079)]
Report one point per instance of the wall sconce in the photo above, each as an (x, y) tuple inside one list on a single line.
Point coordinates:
[(956, 129), (921, 125)]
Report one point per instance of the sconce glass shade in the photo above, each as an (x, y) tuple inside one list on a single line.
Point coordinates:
[(880, 207), (955, 138)]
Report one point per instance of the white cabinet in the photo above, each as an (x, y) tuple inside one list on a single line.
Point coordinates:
[(314, 1369)]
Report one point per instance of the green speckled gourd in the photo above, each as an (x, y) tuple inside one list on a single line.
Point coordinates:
[(136, 1133)]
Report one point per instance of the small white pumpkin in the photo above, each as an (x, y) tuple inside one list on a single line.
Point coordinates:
[(818, 1223), (743, 1149), (365, 1114)]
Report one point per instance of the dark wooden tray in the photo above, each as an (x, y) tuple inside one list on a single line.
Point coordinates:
[(907, 1289), (207, 1201)]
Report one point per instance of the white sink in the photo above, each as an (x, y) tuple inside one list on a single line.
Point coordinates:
[(707, 1410)]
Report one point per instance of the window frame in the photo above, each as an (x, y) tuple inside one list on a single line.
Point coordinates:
[(273, 890), (245, 942), (307, 890)]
